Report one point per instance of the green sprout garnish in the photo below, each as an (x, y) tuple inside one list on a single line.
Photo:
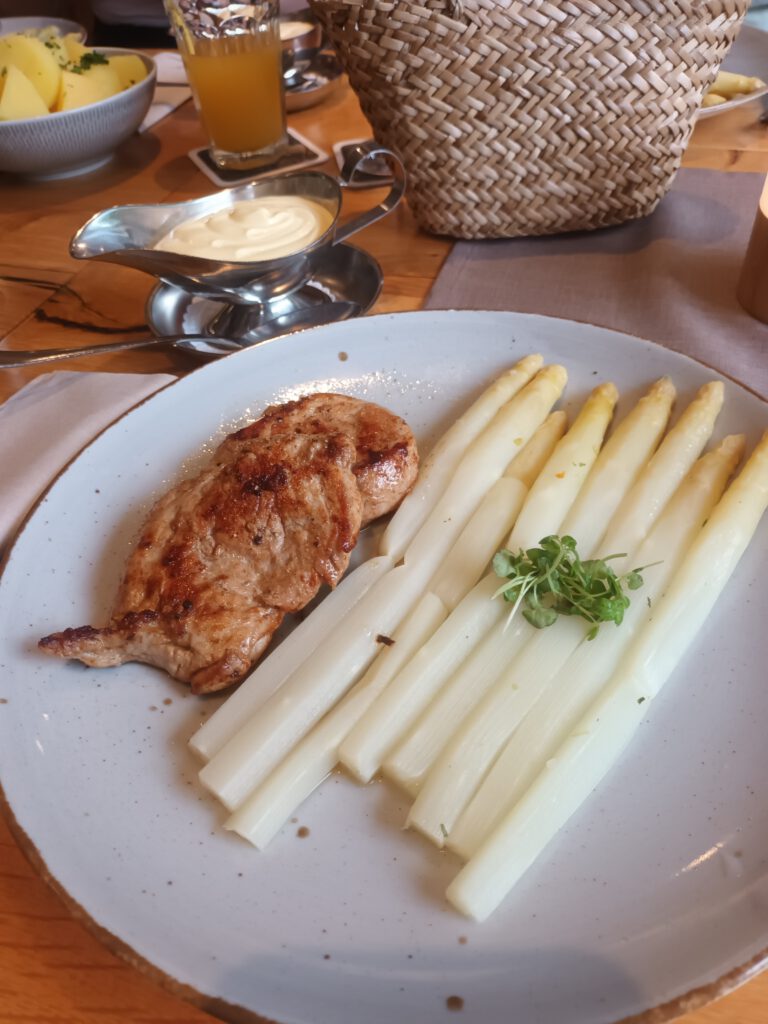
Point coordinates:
[(552, 580)]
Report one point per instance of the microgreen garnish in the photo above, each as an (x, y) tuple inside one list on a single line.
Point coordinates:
[(552, 580), (87, 61)]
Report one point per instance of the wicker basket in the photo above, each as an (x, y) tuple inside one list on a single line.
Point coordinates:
[(528, 117)]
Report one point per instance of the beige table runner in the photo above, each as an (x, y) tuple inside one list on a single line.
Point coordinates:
[(670, 277)]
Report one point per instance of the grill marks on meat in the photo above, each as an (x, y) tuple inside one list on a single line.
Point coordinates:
[(387, 461), (224, 556)]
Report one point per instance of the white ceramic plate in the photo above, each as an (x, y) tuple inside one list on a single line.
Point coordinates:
[(747, 56), (659, 886)]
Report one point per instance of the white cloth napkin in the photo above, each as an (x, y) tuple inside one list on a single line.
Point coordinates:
[(170, 68), (49, 421), (171, 90)]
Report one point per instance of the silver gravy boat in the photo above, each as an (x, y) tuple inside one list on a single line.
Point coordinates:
[(128, 234)]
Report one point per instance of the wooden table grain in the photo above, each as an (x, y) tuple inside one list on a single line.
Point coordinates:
[(52, 969)]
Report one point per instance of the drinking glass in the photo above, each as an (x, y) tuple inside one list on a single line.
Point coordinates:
[(233, 57)]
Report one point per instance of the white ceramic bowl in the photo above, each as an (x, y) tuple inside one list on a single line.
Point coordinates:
[(37, 22), (75, 141)]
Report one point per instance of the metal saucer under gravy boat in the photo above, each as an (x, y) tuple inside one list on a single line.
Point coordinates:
[(346, 285), (128, 234)]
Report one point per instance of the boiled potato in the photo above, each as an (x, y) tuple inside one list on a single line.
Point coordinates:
[(129, 68), (55, 44), (31, 56), (94, 83), (19, 97), (75, 49), (43, 71)]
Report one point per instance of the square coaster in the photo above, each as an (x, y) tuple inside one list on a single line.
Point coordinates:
[(303, 154)]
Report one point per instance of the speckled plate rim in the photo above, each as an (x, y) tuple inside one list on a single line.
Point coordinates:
[(685, 1003)]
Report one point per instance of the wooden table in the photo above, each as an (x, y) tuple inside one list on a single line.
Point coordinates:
[(53, 971)]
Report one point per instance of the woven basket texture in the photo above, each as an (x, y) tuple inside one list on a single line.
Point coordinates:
[(528, 117)]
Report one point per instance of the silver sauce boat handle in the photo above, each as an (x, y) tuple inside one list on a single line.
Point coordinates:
[(357, 156)]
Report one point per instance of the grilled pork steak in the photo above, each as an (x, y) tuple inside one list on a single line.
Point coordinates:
[(222, 557), (386, 463)]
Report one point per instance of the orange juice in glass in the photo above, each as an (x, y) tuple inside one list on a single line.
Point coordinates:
[(234, 65)]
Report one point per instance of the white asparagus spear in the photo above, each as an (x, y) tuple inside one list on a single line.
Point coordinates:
[(469, 556), (666, 468), (482, 535), (483, 463), (530, 460), (590, 667), (472, 749), (603, 733), (261, 743), (438, 468), (621, 460), (284, 660), (630, 446), (478, 541), (494, 516), (361, 753), (470, 752), (396, 710), (409, 762), (566, 470), (267, 809), (469, 619)]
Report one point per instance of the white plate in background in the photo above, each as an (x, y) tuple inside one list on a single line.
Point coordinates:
[(747, 56)]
